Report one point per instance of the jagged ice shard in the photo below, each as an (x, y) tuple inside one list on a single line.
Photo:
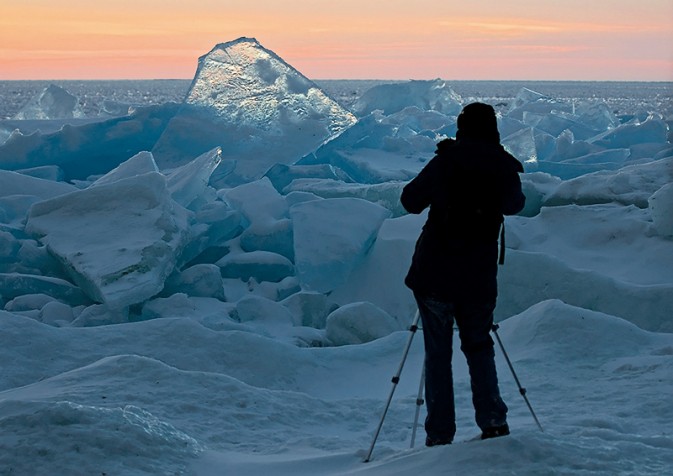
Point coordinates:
[(53, 102), (259, 109), (117, 241)]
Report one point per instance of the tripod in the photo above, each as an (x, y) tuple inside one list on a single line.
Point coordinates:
[(419, 398)]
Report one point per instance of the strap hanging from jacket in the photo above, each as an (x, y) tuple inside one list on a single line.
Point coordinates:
[(501, 259)]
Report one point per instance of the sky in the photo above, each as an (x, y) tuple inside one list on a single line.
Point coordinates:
[(344, 39)]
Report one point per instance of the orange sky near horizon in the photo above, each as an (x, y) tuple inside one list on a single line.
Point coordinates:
[(348, 39)]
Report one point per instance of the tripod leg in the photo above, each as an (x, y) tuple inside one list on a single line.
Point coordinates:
[(395, 380), (419, 404), (522, 390)]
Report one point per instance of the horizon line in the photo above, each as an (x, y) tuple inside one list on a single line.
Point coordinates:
[(368, 79)]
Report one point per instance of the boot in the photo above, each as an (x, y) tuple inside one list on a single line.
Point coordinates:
[(495, 432)]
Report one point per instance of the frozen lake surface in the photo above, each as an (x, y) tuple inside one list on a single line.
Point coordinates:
[(241, 310), (624, 97)]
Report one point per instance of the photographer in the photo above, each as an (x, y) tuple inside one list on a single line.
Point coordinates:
[(469, 185)]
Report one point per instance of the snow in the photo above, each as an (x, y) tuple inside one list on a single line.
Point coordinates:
[(200, 317), (259, 406), (357, 323), (633, 184)]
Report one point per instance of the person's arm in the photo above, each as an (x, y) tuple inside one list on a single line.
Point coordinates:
[(417, 194), (513, 199)]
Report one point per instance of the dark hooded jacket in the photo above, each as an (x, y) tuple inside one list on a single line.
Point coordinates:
[(469, 185)]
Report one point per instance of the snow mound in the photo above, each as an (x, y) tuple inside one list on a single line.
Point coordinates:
[(570, 332), (309, 308), (186, 344), (530, 277), (104, 439), (633, 184), (357, 323), (608, 230)]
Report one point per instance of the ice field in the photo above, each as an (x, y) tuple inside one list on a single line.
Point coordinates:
[(206, 277)]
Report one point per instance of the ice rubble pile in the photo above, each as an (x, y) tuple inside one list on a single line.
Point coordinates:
[(287, 221), (561, 138), (569, 140), (137, 244)]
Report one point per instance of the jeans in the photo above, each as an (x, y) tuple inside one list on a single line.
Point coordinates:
[(474, 322)]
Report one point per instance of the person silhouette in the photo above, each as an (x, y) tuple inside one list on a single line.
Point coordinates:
[(469, 185)]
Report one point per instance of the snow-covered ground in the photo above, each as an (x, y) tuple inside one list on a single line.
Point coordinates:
[(195, 316)]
